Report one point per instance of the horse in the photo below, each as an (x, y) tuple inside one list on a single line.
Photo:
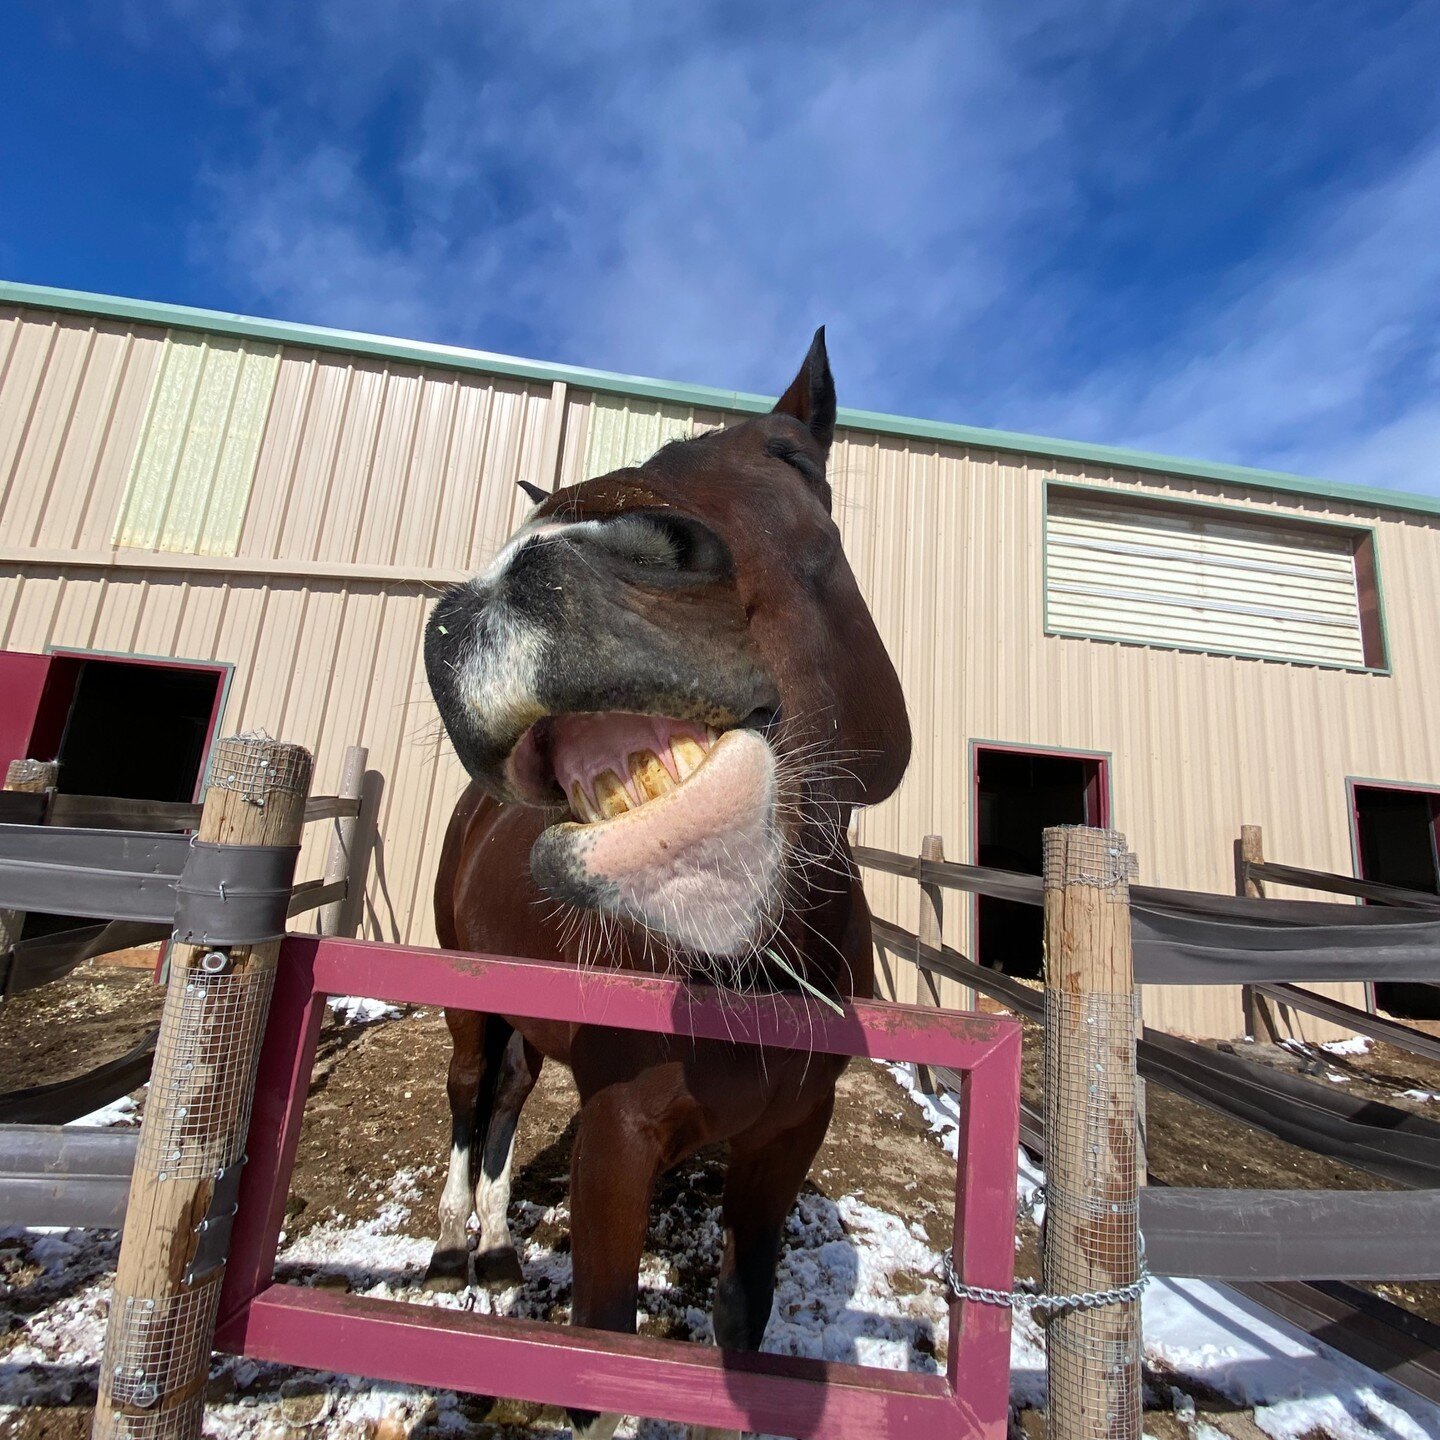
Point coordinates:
[(670, 698)]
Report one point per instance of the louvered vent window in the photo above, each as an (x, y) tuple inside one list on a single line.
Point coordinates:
[(1197, 578)]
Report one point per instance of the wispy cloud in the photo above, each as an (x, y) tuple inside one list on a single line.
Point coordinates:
[(1327, 358), (1200, 228), (680, 203)]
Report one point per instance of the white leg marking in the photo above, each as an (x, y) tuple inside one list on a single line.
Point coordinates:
[(492, 1206), (492, 1188), (602, 1427), (455, 1199)]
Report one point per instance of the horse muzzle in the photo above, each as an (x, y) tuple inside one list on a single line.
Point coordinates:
[(643, 709)]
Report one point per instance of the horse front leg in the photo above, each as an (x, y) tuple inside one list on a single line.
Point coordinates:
[(761, 1187), (614, 1165), (469, 1082), (496, 1260)]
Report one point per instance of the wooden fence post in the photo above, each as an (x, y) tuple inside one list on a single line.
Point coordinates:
[(338, 917), (931, 931), (172, 1255), (1091, 1240), (1250, 850), (30, 777)]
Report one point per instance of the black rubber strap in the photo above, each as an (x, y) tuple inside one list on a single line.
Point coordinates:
[(234, 894)]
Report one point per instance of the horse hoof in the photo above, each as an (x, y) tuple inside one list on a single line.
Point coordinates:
[(495, 1269), (448, 1272)]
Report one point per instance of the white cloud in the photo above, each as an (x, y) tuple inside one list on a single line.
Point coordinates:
[(685, 191), (686, 205), (1326, 362)]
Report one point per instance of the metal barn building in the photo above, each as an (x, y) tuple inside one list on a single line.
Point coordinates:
[(210, 523)]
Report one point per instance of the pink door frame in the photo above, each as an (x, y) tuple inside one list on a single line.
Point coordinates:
[(23, 676), (595, 1370)]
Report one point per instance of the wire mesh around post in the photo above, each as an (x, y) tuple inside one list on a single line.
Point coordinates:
[(187, 1166), (1092, 1238)]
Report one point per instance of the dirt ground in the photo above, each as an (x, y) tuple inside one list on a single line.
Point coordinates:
[(377, 1108)]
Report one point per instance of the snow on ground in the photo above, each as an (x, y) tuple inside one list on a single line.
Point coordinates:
[(123, 1112), (361, 1010), (843, 1294), (857, 1283), (1355, 1045), (1207, 1334)]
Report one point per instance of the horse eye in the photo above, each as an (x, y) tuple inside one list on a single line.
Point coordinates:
[(641, 542), (663, 542)]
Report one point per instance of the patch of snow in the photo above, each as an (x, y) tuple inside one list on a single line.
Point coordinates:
[(1297, 1385), (121, 1112), (1207, 1334), (1421, 1094), (1355, 1045), (941, 1110), (855, 1284), (361, 1010)]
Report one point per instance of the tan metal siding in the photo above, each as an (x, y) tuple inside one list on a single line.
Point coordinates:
[(376, 481), (191, 477), (372, 465), (947, 545), (72, 398), (627, 431)]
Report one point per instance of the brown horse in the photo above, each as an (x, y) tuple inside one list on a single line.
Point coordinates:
[(678, 655)]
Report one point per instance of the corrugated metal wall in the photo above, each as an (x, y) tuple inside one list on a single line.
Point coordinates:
[(373, 483), (193, 467)]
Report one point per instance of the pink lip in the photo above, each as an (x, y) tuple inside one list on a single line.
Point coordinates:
[(529, 770)]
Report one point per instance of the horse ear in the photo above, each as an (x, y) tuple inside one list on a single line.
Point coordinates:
[(536, 494), (811, 396)]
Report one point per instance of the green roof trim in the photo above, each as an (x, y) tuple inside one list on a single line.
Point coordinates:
[(186, 317)]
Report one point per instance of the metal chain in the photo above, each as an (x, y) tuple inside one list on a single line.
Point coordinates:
[(1025, 1296)]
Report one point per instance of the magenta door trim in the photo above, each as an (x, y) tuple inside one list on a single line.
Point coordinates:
[(595, 1370)]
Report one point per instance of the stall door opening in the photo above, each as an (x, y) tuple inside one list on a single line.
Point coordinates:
[(1018, 795), (1395, 833), (138, 730), (130, 729)]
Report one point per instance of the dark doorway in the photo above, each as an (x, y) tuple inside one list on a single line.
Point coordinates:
[(1018, 795), (1395, 836), (138, 731)]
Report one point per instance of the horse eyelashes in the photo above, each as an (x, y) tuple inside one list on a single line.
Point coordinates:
[(797, 459)]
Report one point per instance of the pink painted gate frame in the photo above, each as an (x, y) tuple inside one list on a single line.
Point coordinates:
[(598, 1370)]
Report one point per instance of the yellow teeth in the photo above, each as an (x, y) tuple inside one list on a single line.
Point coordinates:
[(688, 754), (580, 804), (648, 775), (610, 796), (647, 778)]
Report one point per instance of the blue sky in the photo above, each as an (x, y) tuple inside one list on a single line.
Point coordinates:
[(1205, 228)]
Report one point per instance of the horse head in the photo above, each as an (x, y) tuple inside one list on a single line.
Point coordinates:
[(675, 660)]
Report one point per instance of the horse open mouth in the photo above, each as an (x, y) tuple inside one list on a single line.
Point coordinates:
[(675, 823)]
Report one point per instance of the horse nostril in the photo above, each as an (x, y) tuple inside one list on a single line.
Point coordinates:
[(763, 719)]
